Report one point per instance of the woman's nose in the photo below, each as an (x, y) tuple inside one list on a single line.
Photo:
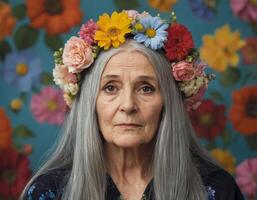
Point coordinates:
[(128, 102)]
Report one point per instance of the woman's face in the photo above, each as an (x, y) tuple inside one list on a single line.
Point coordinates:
[(129, 102)]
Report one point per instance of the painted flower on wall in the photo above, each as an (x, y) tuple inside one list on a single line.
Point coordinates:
[(205, 9), (225, 159), (164, 5), (14, 173), (56, 16), (22, 69), (246, 177), (208, 120), (249, 51), (48, 106), (7, 20), (5, 130), (245, 9), (220, 50), (243, 113)]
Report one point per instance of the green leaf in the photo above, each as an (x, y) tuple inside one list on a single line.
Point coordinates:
[(53, 42), (25, 37), (230, 77), (211, 145), (126, 5), (23, 131), (4, 49), (47, 78), (216, 95), (252, 141), (19, 11)]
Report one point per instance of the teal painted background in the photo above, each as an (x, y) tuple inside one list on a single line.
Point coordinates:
[(30, 139)]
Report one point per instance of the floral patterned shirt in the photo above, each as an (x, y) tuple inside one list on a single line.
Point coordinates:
[(219, 186)]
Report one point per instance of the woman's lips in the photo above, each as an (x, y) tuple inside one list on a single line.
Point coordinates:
[(128, 126)]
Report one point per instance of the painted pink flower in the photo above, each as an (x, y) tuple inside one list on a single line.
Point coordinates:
[(249, 51), (183, 71), (62, 76), (193, 102), (87, 31), (77, 55), (246, 177), (48, 106), (245, 9)]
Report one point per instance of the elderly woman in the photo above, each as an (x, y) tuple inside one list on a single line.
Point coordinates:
[(127, 134)]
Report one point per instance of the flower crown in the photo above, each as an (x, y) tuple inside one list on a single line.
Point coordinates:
[(155, 33)]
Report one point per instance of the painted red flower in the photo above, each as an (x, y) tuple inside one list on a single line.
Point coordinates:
[(14, 173), (249, 51), (179, 42), (208, 120), (243, 113)]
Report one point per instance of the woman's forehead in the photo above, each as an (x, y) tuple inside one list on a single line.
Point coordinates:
[(129, 62)]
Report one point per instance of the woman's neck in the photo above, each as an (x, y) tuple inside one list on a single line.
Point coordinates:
[(126, 164)]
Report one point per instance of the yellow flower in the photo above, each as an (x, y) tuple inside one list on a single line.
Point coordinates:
[(225, 159), (16, 104), (220, 50), (112, 30)]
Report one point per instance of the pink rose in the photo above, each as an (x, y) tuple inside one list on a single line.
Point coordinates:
[(62, 76), (245, 9), (132, 14), (77, 55), (183, 71)]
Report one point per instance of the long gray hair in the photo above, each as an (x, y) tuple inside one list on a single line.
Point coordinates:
[(177, 159)]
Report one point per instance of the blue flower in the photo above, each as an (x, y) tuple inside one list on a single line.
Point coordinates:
[(154, 32), (203, 9), (23, 70)]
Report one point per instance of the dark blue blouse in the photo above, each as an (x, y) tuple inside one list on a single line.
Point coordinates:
[(218, 183)]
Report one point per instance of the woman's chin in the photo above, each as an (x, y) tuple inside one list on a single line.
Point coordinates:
[(128, 142)]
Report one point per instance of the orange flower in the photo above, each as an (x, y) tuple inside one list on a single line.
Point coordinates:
[(7, 21), (5, 130), (243, 113), (162, 5), (56, 16)]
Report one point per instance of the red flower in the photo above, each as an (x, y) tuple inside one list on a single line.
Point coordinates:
[(249, 51), (179, 42), (208, 120), (14, 173)]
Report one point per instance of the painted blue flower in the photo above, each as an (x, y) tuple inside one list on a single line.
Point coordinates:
[(23, 70), (154, 32), (210, 192), (203, 8)]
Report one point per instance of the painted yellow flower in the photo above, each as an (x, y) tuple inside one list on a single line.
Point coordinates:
[(225, 159), (220, 50), (112, 30)]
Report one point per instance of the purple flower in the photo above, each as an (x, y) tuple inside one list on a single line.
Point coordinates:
[(23, 70), (203, 8)]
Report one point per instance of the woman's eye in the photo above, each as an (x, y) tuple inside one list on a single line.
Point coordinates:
[(147, 89), (110, 89)]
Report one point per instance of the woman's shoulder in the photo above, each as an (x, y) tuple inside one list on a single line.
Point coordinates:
[(47, 186), (221, 185)]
